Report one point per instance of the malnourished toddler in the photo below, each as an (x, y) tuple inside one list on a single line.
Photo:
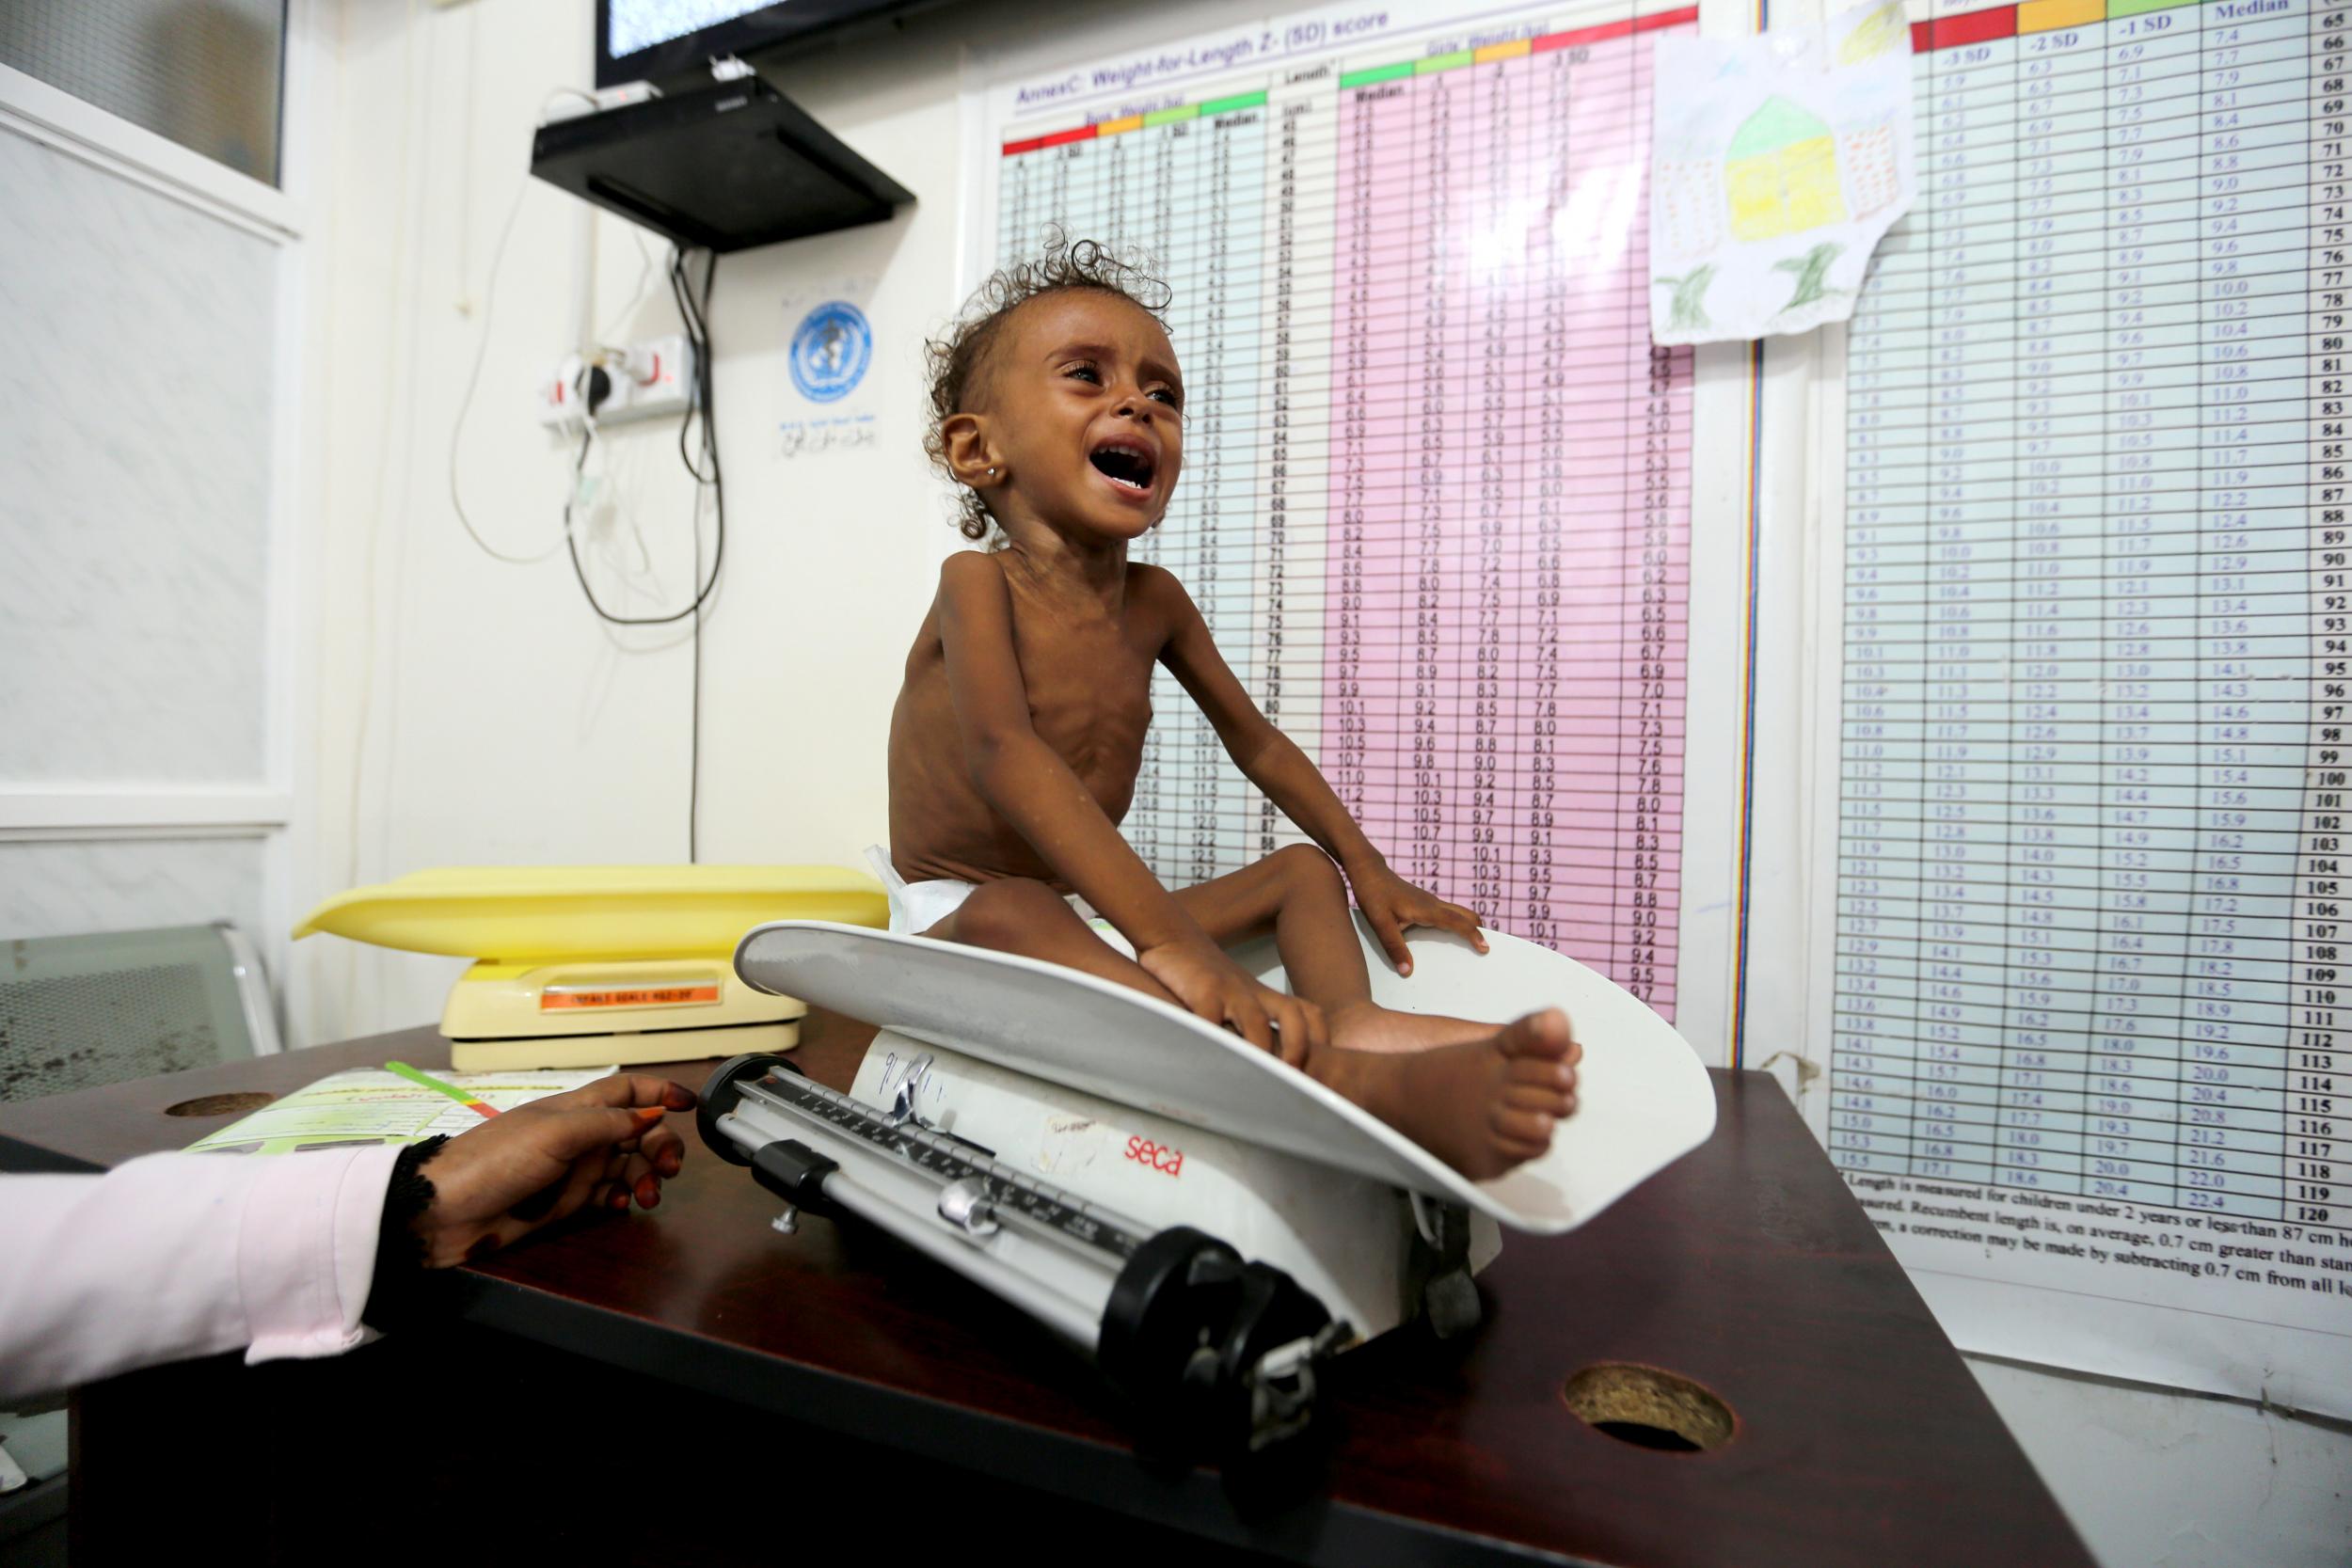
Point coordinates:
[(1058, 406)]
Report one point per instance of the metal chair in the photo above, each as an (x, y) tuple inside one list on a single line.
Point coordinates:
[(77, 1012)]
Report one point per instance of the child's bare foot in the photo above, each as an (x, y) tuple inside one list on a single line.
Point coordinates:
[(1368, 1026), (1482, 1106)]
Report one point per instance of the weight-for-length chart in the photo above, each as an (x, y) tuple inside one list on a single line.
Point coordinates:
[(2090, 904), (1435, 501)]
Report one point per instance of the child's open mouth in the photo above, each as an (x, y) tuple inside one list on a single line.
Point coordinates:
[(1128, 465)]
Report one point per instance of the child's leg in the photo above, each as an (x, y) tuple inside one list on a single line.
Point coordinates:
[(1482, 1097), (1024, 916), (1483, 1106), (1300, 897)]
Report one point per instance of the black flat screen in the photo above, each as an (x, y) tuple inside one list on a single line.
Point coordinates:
[(664, 41)]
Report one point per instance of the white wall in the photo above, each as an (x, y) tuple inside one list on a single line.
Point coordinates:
[(480, 711), (486, 717), (2157, 1480)]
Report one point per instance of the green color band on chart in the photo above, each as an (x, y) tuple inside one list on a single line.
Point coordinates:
[(1378, 74), (1228, 106), (1435, 63), (1164, 117), (2135, 7), (402, 1069)]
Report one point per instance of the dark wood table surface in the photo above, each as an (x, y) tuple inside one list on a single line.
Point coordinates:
[(834, 1374)]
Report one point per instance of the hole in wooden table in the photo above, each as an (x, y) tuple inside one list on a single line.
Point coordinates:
[(1648, 1408), (219, 1105)]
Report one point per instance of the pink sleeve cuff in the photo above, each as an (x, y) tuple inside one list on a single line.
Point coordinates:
[(306, 1251), (177, 1255)]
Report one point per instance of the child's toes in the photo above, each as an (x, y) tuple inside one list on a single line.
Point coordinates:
[(1541, 1072), (1528, 1130), (1546, 1098), (1538, 1036)]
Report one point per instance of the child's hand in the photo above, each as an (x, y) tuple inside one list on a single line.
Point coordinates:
[(1395, 906), (1213, 987), (602, 1142)]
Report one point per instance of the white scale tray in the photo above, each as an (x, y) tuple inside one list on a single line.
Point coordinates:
[(1642, 1097)]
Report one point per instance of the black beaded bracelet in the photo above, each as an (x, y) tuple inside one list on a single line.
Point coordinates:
[(399, 1291)]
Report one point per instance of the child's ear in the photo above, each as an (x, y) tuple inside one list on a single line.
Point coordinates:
[(970, 457)]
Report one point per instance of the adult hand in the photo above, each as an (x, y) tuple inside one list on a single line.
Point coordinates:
[(601, 1143), (1395, 906), (1212, 986)]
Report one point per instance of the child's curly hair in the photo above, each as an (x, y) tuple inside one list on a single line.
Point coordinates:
[(958, 357)]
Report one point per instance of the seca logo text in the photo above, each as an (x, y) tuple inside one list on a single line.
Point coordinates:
[(1160, 1157)]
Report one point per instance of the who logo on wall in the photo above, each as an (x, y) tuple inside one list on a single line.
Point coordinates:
[(829, 358)]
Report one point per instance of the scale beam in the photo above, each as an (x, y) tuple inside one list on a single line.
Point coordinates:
[(1219, 1352)]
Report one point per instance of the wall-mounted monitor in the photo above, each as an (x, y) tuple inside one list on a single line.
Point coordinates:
[(666, 42)]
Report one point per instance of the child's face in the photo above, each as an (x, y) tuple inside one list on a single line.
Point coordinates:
[(1084, 408)]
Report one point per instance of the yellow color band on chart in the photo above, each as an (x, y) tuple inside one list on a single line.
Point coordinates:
[(2042, 15)]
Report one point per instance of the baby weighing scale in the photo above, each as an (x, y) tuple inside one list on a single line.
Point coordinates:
[(591, 965), (1209, 1225)]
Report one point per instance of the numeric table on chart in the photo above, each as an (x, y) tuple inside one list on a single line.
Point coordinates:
[(1435, 497), (2092, 919)]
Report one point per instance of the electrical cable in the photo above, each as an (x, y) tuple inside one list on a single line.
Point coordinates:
[(697, 331), (710, 444), (474, 379), (644, 278), (481, 352), (695, 695), (700, 419), (698, 406), (694, 314)]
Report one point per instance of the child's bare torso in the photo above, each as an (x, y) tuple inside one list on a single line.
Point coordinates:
[(1087, 670)]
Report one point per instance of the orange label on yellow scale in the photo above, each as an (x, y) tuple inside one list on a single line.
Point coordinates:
[(553, 1000)]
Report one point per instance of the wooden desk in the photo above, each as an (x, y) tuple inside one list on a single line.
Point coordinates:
[(726, 1392)]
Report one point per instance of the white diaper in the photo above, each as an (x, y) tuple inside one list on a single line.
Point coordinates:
[(917, 907)]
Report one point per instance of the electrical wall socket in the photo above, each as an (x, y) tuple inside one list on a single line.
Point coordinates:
[(650, 380), (563, 406)]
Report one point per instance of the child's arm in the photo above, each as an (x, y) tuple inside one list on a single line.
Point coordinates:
[(1028, 784), (1273, 762)]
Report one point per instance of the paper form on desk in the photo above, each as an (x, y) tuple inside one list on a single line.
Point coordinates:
[(369, 1105)]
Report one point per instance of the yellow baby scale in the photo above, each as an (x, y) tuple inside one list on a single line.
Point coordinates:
[(587, 965)]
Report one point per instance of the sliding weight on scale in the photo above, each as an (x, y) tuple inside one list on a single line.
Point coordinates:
[(976, 1192)]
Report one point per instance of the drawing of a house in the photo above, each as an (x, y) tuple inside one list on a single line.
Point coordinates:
[(1781, 174)]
